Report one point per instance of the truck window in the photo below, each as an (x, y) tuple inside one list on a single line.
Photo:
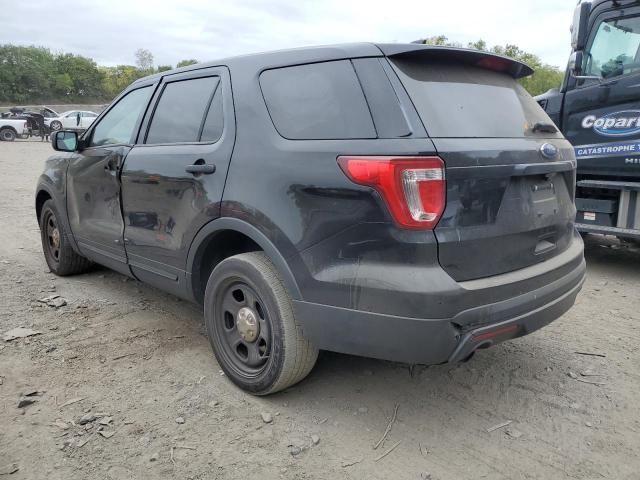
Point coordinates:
[(615, 48), (318, 101)]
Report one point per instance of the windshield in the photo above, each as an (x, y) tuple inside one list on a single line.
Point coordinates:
[(615, 49), (455, 100)]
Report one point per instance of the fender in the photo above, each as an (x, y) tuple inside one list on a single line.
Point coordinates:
[(230, 223)]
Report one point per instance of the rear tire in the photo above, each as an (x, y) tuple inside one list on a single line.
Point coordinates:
[(7, 135), (263, 351), (60, 256)]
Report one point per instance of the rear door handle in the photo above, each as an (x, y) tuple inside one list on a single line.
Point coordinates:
[(200, 167)]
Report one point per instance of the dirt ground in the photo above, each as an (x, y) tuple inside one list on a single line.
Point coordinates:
[(140, 362)]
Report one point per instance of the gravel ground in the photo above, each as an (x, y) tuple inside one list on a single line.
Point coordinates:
[(137, 365)]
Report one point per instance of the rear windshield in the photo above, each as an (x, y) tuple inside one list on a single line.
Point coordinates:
[(455, 100)]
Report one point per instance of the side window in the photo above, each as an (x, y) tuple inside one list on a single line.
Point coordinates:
[(317, 101), (71, 115), (179, 115), (615, 49), (117, 125)]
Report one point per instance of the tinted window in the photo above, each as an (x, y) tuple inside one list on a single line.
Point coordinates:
[(180, 111), (212, 130), (616, 48), (455, 100), (318, 101), (118, 124)]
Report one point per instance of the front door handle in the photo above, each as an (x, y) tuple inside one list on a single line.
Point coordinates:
[(199, 167)]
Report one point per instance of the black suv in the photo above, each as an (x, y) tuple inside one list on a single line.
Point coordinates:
[(398, 201)]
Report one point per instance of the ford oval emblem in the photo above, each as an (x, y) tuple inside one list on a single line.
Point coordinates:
[(549, 151)]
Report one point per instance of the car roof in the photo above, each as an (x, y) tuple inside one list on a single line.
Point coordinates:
[(296, 56)]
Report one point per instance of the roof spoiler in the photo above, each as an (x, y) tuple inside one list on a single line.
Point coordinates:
[(489, 61)]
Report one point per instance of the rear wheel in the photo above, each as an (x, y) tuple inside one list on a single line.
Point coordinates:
[(59, 254), (7, 135), (252, 328)]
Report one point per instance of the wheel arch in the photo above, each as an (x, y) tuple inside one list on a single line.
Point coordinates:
[(198, 268)]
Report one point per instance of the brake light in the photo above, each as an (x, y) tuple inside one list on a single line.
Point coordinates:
[(412, 187)]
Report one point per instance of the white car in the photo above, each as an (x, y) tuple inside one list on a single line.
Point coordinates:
[(72, 120)]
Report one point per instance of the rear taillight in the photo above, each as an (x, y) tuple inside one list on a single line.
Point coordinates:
[(412, 187)]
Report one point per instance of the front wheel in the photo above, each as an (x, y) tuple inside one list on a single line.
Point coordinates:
[(7, 135), (56, 125), (252, 328), (59, 254)]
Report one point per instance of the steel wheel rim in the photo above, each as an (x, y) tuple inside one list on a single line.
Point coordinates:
[(7, 135), (52, 235), (245, 356)]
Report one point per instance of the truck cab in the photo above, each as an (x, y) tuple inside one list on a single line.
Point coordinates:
[(597, 108)]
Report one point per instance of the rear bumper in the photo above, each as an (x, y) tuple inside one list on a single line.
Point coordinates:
[(432, 341)]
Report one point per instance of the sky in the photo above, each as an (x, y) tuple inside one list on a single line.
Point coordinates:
[(110, 31)]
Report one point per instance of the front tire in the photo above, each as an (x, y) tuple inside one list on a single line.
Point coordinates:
[(56, 125), (252, 328), (7, 135), (60, 256)]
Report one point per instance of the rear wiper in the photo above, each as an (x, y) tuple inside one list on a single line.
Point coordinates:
[(544, 127)]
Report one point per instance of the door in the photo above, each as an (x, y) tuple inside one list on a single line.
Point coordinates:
[(87, 119), (71, 120), (602, 118), (93, 184), (172, 180)]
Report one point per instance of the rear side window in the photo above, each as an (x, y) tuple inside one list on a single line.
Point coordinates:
[(179, 115), (317, 101), (455, 100)]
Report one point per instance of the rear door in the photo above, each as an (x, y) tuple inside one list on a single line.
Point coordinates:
[(173, 179), (602, 119), (509, 205)]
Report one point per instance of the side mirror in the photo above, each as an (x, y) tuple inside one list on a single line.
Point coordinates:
[(65, 141), (576, 61), (580, 25)]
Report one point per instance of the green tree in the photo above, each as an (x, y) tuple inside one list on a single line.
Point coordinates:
[(86, 78), (25, 73), (164, 68), (185, 63)]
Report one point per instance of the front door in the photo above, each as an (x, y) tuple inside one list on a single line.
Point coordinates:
[(172, 180), (602, 118), (93, 183)]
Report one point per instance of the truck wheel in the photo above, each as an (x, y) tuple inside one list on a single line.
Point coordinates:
[(7, 134), (59, 254), (252, 327), (56, 125)]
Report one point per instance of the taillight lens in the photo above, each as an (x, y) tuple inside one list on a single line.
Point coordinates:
[(413, 187)]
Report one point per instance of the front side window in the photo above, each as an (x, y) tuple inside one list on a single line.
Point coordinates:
[(71, 114), (178, 118), (117, 126), (615, 49)]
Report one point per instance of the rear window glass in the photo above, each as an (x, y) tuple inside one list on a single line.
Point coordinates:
[(464, 101), (317, 101)]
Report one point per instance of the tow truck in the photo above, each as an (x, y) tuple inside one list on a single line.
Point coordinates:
[(597, 108)]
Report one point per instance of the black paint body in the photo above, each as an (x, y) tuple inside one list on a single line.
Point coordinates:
[(360, 284)]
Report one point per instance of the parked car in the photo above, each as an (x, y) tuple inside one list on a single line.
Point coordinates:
[(393, 201), (11, 128), (74, 119)]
